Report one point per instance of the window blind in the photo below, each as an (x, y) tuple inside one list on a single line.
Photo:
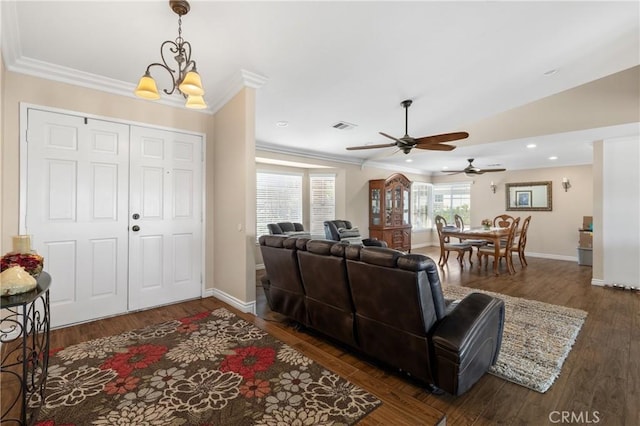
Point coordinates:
[(278, 199), (323, 201)]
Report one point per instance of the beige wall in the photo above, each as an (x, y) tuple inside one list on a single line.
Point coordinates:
[(234, 202), (2, 86), (551, 233)]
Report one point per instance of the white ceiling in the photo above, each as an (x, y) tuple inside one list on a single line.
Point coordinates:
[(319, 62)]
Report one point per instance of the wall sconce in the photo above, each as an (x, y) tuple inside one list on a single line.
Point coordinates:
[(566, 184), (493, 187)]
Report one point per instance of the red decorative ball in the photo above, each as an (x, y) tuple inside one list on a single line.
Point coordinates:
[(31, 262)]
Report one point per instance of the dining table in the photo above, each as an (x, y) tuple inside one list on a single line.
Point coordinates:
[(493, 234)]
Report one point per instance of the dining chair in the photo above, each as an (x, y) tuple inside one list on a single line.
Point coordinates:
[(503, 221), (473, 242), (441, 220), (448, 247), (504, 249), (520, 241)]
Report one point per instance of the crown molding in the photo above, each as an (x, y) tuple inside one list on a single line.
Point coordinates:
[(279, 149), (241, 80)]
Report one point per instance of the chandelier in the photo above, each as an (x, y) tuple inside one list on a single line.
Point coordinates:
[(185, 80)]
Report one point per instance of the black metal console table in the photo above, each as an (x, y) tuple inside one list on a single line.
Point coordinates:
[(24, 349)]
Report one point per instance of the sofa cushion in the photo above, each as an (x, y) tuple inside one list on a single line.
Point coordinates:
[(286, 226), (380, 256)]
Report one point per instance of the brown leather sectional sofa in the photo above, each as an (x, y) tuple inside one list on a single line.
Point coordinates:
[(387, 305)]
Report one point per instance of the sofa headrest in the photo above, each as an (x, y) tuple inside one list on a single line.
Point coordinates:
[(301, 242), (352, 252), (286, 226), (415, 262), (339, 249), (342, 224), (272, 240), (274, 229), (290, 243), (380, 256), (320, 246)]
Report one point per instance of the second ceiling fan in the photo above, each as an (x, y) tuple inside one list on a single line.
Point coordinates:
[(407, 143), (472, 170)]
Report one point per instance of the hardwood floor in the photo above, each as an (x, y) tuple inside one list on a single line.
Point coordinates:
[(599, 382)]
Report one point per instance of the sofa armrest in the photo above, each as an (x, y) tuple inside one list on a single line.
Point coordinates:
[(474, 320), (466, 342)]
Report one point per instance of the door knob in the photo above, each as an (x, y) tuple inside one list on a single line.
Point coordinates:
[(135, 228), (136, 216)]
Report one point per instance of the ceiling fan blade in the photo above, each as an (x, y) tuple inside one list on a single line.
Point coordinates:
[(394, 138), (445, 137), (384, 154), (453, 172), (384, 145), (494, 170), (436, 147)]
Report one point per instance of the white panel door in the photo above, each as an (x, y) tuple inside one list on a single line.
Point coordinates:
[(76, 212), (165, 217)]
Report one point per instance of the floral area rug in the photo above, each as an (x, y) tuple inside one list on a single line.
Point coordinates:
[(212, 368), (537, 338)]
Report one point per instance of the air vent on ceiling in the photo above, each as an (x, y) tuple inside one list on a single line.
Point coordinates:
[(343, 125)]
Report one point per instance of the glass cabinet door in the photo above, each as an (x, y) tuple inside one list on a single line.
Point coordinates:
[(375, 207), (388, 204), (405, 207)]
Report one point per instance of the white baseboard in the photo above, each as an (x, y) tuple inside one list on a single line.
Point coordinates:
[(249, 307), (552, 256), (599, 283), (259, 266), (415, 246)]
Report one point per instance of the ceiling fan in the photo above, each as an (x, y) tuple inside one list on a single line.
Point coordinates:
[(471, 170), (407, 143)]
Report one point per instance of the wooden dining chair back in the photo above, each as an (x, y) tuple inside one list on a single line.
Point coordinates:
[(503, 251), (441, 220), (473, 242), (503, 221), (519, 242), (447, 247)]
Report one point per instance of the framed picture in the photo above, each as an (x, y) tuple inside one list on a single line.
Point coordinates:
[(523, 198)]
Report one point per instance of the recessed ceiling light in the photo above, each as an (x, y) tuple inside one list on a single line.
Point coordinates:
[(282, 123), (531, 145), (553, 157), (550, 72), (409, 160), (445, 167)]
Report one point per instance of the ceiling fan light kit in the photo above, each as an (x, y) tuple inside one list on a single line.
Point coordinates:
[(407, 143), (186, 79)]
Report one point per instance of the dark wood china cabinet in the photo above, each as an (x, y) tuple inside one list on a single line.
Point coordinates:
[(390, 211)]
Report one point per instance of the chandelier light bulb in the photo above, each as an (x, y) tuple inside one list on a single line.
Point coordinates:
[(195, 102), (191, 84), (147, 88)]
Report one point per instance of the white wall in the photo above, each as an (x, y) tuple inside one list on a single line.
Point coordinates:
[(621, 212)]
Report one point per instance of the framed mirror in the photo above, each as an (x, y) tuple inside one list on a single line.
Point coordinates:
[(529, 196)]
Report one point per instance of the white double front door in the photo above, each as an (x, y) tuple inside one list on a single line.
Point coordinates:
[(116, 211)]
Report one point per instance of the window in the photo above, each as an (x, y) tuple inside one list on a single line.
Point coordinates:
[(451, 199), (278, 199), (323, 201), (420, 205)]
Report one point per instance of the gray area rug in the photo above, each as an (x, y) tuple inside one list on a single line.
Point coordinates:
[(537, 338)]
